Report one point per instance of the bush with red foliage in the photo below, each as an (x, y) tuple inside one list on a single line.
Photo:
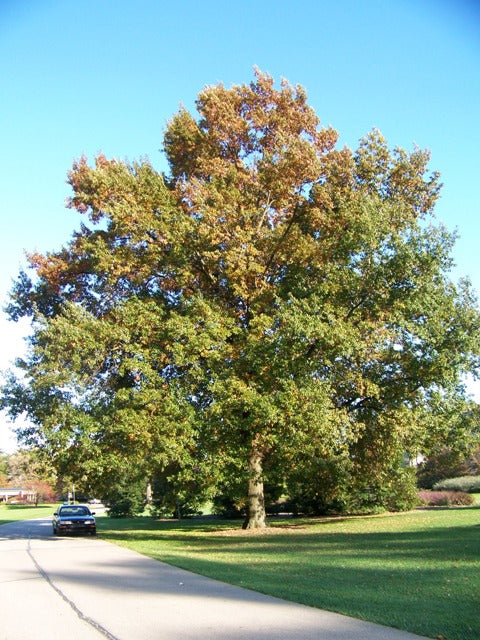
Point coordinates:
[(445, 498)]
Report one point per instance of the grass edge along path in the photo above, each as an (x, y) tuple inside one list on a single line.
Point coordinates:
[(16, 512), (417, 571)]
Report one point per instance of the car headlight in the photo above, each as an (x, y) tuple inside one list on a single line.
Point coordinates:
[(89, 522), (65, 522)]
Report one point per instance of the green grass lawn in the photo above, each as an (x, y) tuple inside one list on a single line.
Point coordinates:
[(14, 512), (418, 571)]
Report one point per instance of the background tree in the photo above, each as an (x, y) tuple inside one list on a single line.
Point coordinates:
[(271, 298), (42, 491), (27, 469), (3, 469)]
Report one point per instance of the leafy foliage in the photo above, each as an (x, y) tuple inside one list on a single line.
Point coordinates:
[(271, 298)]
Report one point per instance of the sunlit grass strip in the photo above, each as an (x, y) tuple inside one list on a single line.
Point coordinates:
[(418, 571), (15, 512)]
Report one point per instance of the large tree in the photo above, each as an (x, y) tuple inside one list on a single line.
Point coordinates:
[(270, 298)]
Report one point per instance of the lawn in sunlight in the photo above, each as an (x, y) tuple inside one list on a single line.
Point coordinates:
[(418, 571), (14, 512)]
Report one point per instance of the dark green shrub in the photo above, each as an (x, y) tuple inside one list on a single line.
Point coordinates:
[(126, 499), (230, 500), (319, 486), (337, 485), (400, 490), (178, 493), (229, 506), (394, 490), (469, 484)]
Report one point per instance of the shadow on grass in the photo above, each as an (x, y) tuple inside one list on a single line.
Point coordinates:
[(424, 580), (438, 544)]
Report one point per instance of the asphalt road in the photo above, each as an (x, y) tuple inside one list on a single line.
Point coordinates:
[(83, 588)]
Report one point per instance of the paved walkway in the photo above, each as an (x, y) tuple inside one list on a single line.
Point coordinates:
[(88, 589)]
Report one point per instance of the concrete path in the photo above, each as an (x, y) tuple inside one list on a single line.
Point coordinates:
[(87, 589)]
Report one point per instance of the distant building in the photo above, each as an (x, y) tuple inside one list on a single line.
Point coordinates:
[(11, 494), (415, 461)]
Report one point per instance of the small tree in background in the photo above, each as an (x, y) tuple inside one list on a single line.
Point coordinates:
[(126, 498), (42, 491), (28, 469), (3, 469), (446, 463)]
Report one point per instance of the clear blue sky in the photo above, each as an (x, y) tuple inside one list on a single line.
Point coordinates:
[(80, 77)]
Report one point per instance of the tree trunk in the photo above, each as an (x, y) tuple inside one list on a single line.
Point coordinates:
[(179, 512), (148, 496), (256, 505)]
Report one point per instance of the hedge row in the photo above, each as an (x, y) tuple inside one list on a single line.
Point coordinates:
[(445, 498), (469, 484)]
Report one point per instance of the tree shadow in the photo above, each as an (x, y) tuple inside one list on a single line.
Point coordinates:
[(408, 579)]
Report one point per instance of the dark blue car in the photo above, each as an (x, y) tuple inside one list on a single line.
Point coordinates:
[(74, 518)]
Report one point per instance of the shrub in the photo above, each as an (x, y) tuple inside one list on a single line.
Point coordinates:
[(126, 499), (399, 490), (231, 501), (319, 486), (179, 493), (170, 502), (336, 486), (445, 498), (468, 484), (395, 491), (228, 506)]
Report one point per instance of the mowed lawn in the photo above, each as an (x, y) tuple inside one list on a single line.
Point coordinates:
[(14, 512), (418, 571)]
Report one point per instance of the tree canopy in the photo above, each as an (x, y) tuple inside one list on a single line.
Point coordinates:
[(271, 300)]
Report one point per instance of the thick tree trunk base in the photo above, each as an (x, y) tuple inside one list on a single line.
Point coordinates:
[(254, 523), (256, 505)]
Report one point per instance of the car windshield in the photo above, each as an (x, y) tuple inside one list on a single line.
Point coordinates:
[(74, 511)]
